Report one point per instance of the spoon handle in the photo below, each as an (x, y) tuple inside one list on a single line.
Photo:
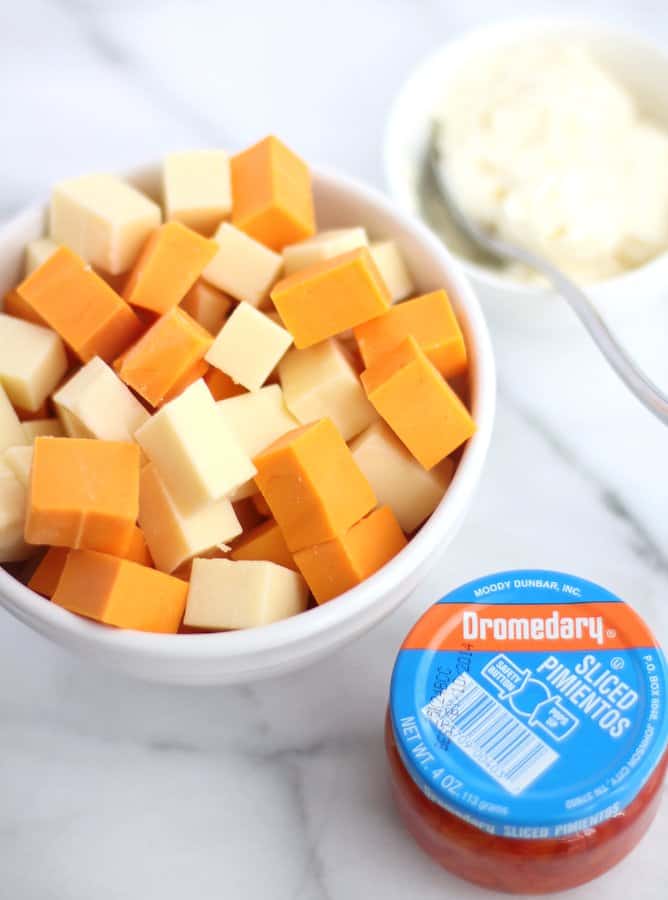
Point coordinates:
[(648, 393)]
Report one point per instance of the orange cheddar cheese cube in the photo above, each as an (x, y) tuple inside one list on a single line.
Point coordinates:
[(15, 305), (207, 305), (83, 493), (272, 196), (137, 550), (247, 514), (330, 297), (164, 356), (221, 386), (432, 322), (170, 263), (417, 403), (336, 566), (266, 542), (120, 592), (198, 371), (261, 505), (46, 576), (312, 485), (80, 306)]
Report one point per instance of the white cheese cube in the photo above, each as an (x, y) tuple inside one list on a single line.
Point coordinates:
[(242, 267), (397, 479), (207, 305), (320, 382), (323, 246), (257, 420), (11, 431), (32, 361), (42, 428), (71, 425), (246, 594), (248, 347), (19, 461), (174, 538), (37, 252), (194, 450), (392, 267), (103, 219), (96, 403), (197, 189), (12, 519)]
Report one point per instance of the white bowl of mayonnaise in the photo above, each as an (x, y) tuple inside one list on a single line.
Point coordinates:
[(555, 132)]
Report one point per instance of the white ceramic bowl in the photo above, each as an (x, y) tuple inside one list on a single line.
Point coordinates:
[(244, 655), (640, 65)]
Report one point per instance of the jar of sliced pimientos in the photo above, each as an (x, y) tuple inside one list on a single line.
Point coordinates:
[(527, 731)]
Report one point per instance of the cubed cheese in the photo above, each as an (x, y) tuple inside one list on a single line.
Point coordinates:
[(42, 428), (323, 245), (121, 593), (13, 547), (46, 576), (19, 460), (207, 305), (404, 380), (331, 296), (196, 188), (392, 267), (11, 432), (242, 267), (264, 542), (100, 404), (80, 306), (430, 319), (169, 264), (344, 562), (83, 494), (272, 193), (313, 486), (173, 538), (103, 219), (226, 595), (398, 480), (194, 450), (320, 381), (164, 356), (32, 361), (221, 385), (37, 252), (249, 347), (256, 418)]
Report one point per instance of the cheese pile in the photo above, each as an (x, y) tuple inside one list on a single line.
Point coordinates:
[(187, 438)]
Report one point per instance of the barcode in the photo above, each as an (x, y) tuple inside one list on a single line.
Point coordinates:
[(489, 734)]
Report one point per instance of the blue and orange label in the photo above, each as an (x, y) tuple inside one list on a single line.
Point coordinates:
[(530, 703)]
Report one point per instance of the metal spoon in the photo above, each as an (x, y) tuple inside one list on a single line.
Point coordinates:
[(633, 377)]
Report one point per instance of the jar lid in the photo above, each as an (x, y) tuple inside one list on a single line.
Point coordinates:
[(532, 704)]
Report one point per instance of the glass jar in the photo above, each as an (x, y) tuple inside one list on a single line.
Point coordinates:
[(527, 731)]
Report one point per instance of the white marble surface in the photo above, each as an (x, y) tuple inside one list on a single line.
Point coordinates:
[(112, 789)]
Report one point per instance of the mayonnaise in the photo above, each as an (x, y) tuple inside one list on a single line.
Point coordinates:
[(548, 149)]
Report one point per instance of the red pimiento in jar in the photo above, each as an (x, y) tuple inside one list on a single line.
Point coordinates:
[(527, 731)]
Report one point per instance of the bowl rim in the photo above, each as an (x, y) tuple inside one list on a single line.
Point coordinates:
[(506, 31), (32, 608)]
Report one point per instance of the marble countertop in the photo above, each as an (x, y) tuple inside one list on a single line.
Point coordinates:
[(116, 789)]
